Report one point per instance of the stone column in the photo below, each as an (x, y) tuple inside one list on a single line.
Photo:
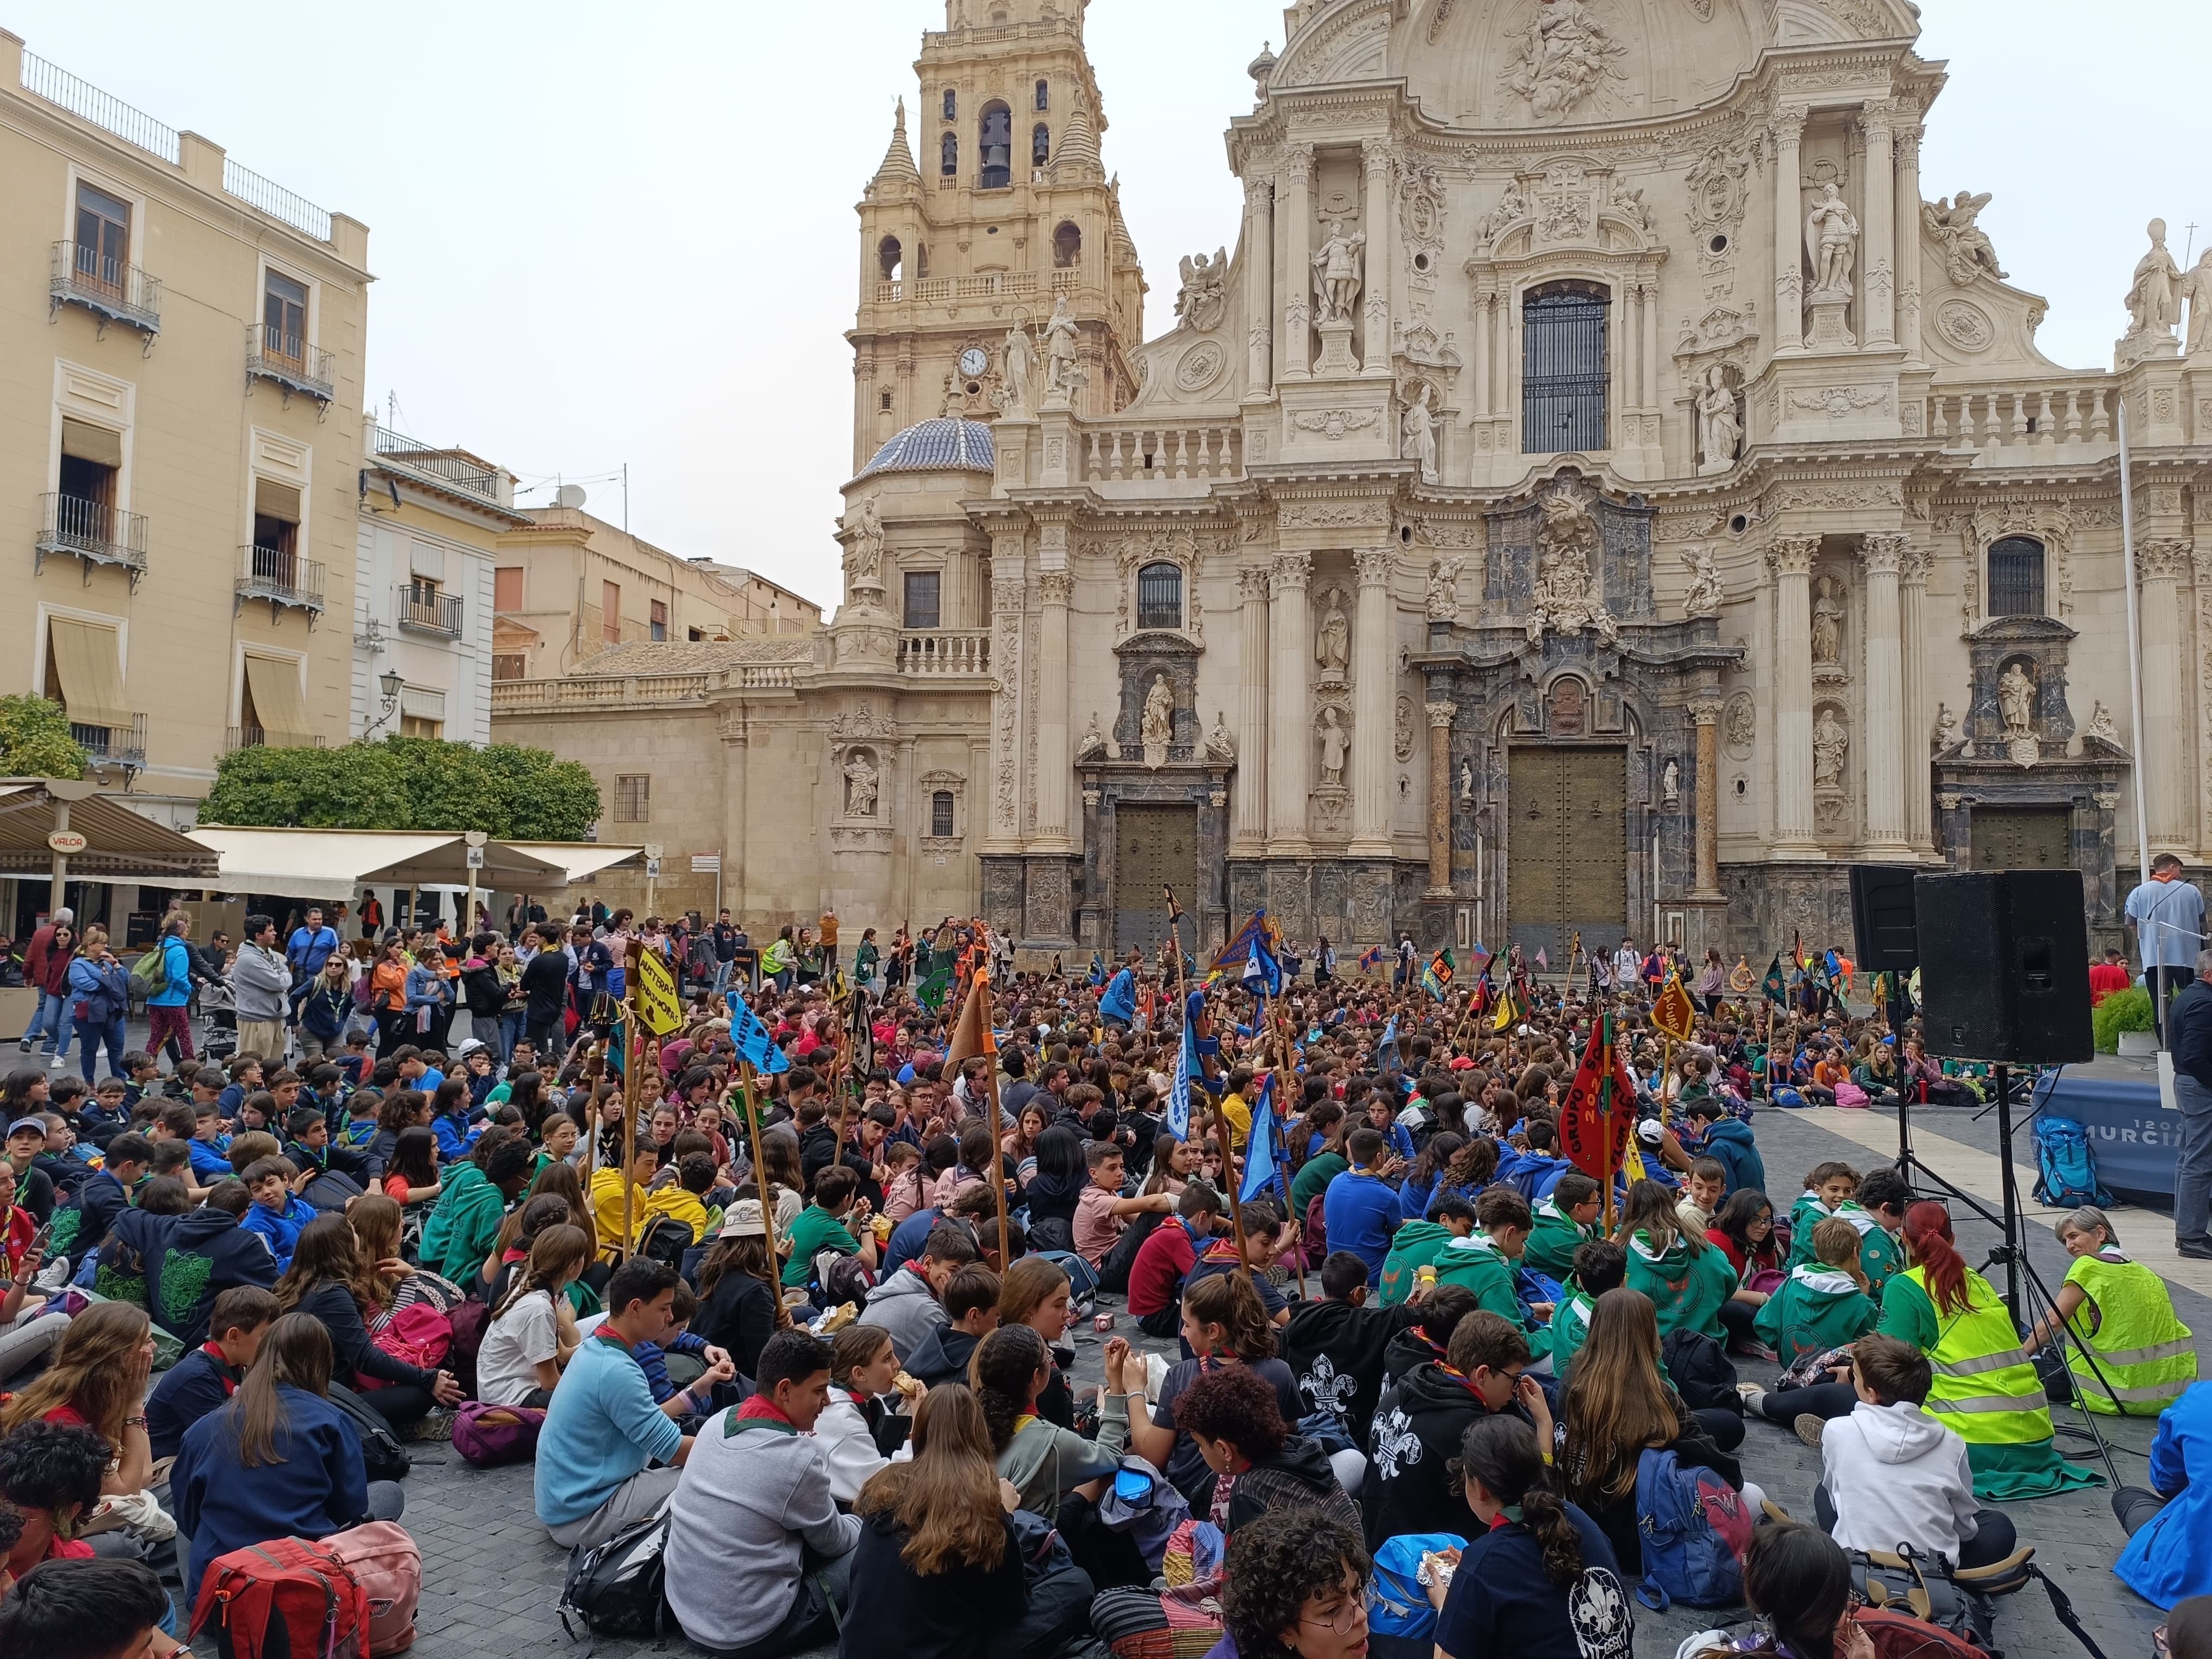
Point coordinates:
[(1878, 265), (1052, 783), (1295, 208), (2159, 565), (730, 728), (1290, 719), (1883, 555), (1790, 558), (1790, 241), (1382, 237), (1706, 712), (1370, 706), (1249, 833), (1440, 797), (1259, 284), (1009, 593), (1906, 139), (1912, 593)]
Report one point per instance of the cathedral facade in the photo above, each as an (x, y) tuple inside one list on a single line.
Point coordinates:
[(1591, 491)]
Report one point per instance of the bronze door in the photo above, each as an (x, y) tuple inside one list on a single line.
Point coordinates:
[(1566, 849), (2020, 838), (1155, 848)]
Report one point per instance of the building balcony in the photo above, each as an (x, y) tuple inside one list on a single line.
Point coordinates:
[(114, 292), (942, 652), (120, 743), (254, 737), (91, 532), (292, 363), (426, 611), (456, 469), (285, 579)]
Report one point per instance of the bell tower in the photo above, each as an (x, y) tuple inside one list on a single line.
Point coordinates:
[(991, 204)]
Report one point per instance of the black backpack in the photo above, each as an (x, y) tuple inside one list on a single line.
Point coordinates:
[(666, 1240), (382, 1457), (620, 1588)]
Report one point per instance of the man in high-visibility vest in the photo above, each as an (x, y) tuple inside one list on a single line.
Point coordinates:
[(2139, 1356)]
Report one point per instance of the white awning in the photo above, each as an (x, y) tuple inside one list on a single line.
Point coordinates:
[(121, 845), (333, 863), (581, 859)]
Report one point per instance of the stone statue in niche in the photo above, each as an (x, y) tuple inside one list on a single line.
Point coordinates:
[(1156, 730), (1705, 594), (2016, 700), (1020, 362), (1670, 783), (1092, 745), (864, 557), (1947, 728), (1467, 783), (1742, 729), (1827, 623), (1333, 638), (1337, 267), (1219, 746), (860, 786), (1720, 428), (1402, 743), (1062, 374), (1205, 293), (1443, 593), (1966, 244), (1830, 744), (1567, 598), (2154, 297), (1417, 439), (1832, 238), (2197, 289), (1334, 742)]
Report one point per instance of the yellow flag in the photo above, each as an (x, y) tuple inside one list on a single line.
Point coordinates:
[(1674, 1015), (1509, 1007), (1633, 1161)]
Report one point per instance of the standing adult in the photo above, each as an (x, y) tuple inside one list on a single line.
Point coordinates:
[(261, 986), (167, 1023), (545, 986), (99, 985), (723, 937), (38, 967), (2189, 1036), (2166, 915), (828, 940), (310, 946)]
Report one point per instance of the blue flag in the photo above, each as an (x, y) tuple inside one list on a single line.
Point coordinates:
[(1178, 1114), (1098, 969), (1262, 972), (1262, 1154), (1387, 1060), (1120, 1001), (752, 1040)]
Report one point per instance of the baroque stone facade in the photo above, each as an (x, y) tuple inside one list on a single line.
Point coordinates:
[(1595, 493)]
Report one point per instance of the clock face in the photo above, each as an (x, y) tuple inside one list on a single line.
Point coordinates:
[(973, 362)]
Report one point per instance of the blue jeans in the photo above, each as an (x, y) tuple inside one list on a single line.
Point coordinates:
[(52, 1017), (94, 1035), (511, 1025), (2192, 1172), (722, 978)]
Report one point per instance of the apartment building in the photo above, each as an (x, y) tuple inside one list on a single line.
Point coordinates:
[(180, 382)]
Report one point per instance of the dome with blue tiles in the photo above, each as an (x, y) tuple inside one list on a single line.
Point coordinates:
[(945, 445)]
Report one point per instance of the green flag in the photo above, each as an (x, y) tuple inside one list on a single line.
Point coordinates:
[(932, 992), (1776, 987)]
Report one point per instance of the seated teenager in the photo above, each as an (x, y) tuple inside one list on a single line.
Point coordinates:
[(604, 1433), (1296, 1589), (1685, 1278), (1823, 1303), (1538, 1580), (822, 1228), (532, 1333), (30, 1326), (858, 1430), (971, 1302), (199, 1383), (1336, 1345), (1036, 1292), (88, 1610), (97, 1380), (2166, 1523), (278, 1214), (758, 1551), (1156, 1278), (1101, 1212), (906, 1304), (84, 1221), (1259, 1464), (1484, 1371), (740, 1306), (1045, 1461), (1562, 1223), (1224, 1324), (1891, 1474), (278, 1460), (329, 1278), (1599, 1265), (189, 1259), (2131, 1356), (1266, 1235), (51, 1476), (460, 1232), (937, 1573)]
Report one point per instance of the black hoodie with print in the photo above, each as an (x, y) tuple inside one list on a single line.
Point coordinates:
[(1409, 1486), (1337, 1353)]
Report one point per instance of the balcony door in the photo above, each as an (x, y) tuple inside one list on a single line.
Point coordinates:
[(284, 319), (103, 242)]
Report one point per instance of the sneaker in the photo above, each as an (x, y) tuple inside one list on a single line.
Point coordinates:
[(2194, 1251), (23, 1047), (1810, 1428), (1754, 1397)]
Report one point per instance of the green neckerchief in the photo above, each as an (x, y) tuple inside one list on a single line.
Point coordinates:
[(1512, 1512)]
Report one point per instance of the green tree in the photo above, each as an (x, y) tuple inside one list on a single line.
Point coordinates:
[(35, 741), (509, 793)]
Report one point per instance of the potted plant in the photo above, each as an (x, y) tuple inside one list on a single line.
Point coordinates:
[(2123, 1024)]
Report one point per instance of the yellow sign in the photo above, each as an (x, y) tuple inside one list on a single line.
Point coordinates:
[(657, 1001), (1674, 1015)]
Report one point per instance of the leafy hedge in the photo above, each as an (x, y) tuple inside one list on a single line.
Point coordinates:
[(35, 741), (2122, 1011), (510, 792)]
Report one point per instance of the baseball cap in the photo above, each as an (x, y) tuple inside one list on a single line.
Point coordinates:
[(21, 1124), (469, 1046), (744, 1221)]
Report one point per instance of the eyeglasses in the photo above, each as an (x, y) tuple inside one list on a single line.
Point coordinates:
[(1348, 1617)]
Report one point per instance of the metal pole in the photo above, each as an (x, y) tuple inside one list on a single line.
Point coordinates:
[(2010, 1190), (633, 1053), (58, 894), (2151, 975)]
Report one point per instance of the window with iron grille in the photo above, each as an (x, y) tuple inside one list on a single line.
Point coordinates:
[(919, 608), (1563, 376), (940, 813), (1159, 596), (633, 797), (2016, 577), (509, 665)]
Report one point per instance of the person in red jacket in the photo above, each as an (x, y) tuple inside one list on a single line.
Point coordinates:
[(46, 969), (2108, 977), (1166, 1257)]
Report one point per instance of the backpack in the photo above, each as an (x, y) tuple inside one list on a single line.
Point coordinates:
[(488, 1435), (1701, 1371), (382, 1457), (1051, 1234), (418, 1334), (666, 1241), (620, 1588), (363, 989), (331, 1191), (1142, 1503), (286, 1599), (1082, 1279), (1694, 1530), (1060, 1594), (386, 1565), (1910, 1582), (469, 1321), (847, 1279), (1896, 1634), (1316, 1229), (149, 975), (2065, 1169), (1397, 1599)]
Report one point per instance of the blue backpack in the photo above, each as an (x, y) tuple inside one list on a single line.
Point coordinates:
[(1397, 1601), (1694, 1530), (2066, 1171), (1082, 1280)]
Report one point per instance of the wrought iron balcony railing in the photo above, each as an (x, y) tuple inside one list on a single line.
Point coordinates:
[(293, 364), (92, 532), (112, 292), (120, 743), (426, 611), (284, 580)]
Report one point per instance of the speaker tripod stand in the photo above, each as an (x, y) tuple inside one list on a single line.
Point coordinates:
[(2012, 1252)]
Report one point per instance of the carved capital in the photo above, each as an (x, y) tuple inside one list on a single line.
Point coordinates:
[(1906, 140), (1789, 124), (1007, 593), (1793, 556), (2161, 560), (1883, 553), (1706, 711), (1297, 164), (1055, 585), (1912, 568), (1948, 801), (1375, 153), (1373, 564), (1878, 115), (1290, 573), (1440, 714), (2201, 557), (1252, 584), (1259, 193)]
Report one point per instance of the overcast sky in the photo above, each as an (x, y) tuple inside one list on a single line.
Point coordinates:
[(626, 235)]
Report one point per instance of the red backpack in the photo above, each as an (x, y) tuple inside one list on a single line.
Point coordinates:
[(286, 1599)]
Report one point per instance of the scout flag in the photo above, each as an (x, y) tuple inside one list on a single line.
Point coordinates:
[(1231, 956), (751, 1039), (933, 990), (1370, 958), (1599, 1114), (1509, 1007), (1387, 1060), (972, 1034), (1187, 1072), (1262, 1153), (1479, 1004), (1774, 987), (1674, 1015), (1543, 961), (1098, 969), (1438, 974)]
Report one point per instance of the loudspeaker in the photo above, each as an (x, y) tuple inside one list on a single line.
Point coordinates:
[(2004, 966), (1885, 929)]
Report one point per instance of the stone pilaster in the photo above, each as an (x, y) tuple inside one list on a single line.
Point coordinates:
[(2159, 565), (1294, 204), (1707, 712), (1009, 593), (1906, 141), (1382, 238), (1883, 557), (730, 726), (1290, 718), (1053, 783), (1248, 832), (1877, 303), (1259, 287), (1790, 559), (1440, 797), (1912, 606), (1370, 706), (1789, 123)]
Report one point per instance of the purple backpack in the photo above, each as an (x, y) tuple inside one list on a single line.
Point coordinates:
[(488, 1435)]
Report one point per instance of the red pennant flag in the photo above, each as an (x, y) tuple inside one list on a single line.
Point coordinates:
[(1598, 1115)]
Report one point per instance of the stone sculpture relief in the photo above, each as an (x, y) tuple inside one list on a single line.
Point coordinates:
[(1092, 745), (1947, 729), (1832, 238), (1219, 746), (1402, 739), (1337, 272), (1720, 428), (1020, 363), (864, 554), (1443, 592), (2016, 700), (1567, 599), (1741, 725), (1203, 298), (2153, 300), (2197, 289), (2101, 726), (1156, 729), (1063, 376), (1512, 205), (1705, 594), (1670, 783), (860, 786), (1466, 782), (1417, 434), (1831, 745), (1966, 247), (1561, 59), (1333, 744), (1332, 637), (1827, 623)]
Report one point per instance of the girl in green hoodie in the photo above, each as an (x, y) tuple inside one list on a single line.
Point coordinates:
[(1687, 1278), (1823, 1303), (1563, 1223)]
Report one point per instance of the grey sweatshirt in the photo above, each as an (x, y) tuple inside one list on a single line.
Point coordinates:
[(752, 1493), (904, 1305), (1046, 1462)]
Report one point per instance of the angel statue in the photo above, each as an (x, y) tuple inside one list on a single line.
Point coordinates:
[(1952, 223), (1205, 293)]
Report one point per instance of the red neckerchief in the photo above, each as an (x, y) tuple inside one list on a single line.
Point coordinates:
[(1435, 1347), (213, 1351), (760, 1406), (1461, 1378), (1222, 1250)]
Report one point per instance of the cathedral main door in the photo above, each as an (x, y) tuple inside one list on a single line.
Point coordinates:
[(1566, 851), (1155, 848), (2020, 838)]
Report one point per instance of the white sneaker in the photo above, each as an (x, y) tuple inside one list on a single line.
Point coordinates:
[(1753, 1396)]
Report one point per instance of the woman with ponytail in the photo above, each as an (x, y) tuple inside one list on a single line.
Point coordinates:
[(1986, 1390), (1046, 1462), (1540, 1582)]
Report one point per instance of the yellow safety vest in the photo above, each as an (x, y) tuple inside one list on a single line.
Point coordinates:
[(2145, 1354), (1986, 1389)]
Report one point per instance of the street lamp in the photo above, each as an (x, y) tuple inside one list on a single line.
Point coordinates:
[(391, 684)]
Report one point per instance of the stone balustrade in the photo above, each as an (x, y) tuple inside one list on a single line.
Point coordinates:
[(1155, 453), (580, 691), (936, 653), (2012, 422)]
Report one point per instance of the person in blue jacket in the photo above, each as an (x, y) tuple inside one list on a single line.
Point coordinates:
[(1361, 1208), (1729, 1142), (169, 1026), (99, 985), (277, 1213), (1118, 1006), (2166, 1560)]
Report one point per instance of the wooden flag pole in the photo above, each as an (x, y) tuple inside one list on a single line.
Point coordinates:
[(982, 990), (760, 1179), (632, 1049), (1605, 1096)]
